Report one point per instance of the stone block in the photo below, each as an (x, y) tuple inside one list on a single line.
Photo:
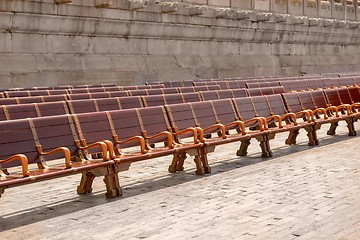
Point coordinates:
[(6, 81), (255, 48), (68, 44), (96, 62), (199, 2), (161, 46), (220, 3), (195, 61), (263, 5), (325, 9), (6, 21), (53, 24), (124, 46), (5, 43), (77, 10), (28, 43), (128, 63), (53, 62), (161, 62), (350, 13), (141, 77), (279, 6), (174, 74), (311, 8), (37, 79), (204, 73), (241, 4), (28, 6), (296, 7), (95, 77), (338, 11), (264, 71), (11, 63)]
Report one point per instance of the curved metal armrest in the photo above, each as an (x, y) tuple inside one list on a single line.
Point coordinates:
[(100, 145), (24, 163), (308, 114), (110, 148), (277, 117), (188, 130), (290, 115), (333, 108), (64, 150), (240, 124), (345, 106), (200, 132), (322, 110), (168, 135), (140, 139), (217, 126), (259, 120)]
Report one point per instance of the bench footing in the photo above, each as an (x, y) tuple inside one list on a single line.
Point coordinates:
[(86, 181), (350, 126), (177, 163), (291, 140), (311, 133), (332, 129), (2, 190), (243, 148), (113, 188)]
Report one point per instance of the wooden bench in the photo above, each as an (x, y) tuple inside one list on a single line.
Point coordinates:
[(39, 141), (21, 111)]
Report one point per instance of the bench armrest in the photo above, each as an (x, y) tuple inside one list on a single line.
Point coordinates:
[(100, 145), (110, 148), (290, 115), (218, 126), (188, 130), (333, 108), (64, 150), (238, 123), (275, 117), (345, 106), (307, 113), (260, 121), (140, 139), (24, 163), (168, 135)]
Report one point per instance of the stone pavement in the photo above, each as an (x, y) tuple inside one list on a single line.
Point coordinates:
[(300, 193)]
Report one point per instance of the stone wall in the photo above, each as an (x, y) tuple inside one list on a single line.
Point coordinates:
[(130, 42)]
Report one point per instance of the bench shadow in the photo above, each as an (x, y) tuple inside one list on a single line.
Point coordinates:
[(82, 202)]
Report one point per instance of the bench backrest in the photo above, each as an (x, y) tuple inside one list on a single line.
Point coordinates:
[(108, 104), (181, 117), (153, 121), (292, 102), (244, 108), (319, 99), (204, 114), (125, 124), (276, 104), (306, 100), (16, 138), (333, 97), (225, 111)]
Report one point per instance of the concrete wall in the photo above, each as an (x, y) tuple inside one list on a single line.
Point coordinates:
[(42, 43)]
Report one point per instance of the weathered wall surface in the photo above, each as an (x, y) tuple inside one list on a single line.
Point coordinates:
[(42, 43)]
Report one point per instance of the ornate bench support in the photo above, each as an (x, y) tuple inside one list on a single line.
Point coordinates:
[(292, 137), (177, 163), (311, 133), (350, 126), (243, 147), (2, 190), (332, 129), (111, 179)]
